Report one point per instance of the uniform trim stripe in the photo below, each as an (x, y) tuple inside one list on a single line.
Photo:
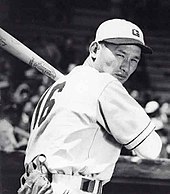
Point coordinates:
[(104, 119), (137, 135), (141, 137)]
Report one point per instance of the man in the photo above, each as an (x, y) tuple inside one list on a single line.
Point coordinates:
[(82, 121)]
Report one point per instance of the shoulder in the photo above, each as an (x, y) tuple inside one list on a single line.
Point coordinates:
[(91, 73), (89, 77)]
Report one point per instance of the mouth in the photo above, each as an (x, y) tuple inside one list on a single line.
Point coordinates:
[(120, 77)]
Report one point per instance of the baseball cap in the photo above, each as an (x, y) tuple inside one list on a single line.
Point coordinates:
[(121, 31)]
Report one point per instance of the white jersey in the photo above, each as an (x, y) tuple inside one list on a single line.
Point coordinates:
[(82, 121)]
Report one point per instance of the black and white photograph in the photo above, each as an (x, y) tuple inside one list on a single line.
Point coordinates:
[(85, 97)]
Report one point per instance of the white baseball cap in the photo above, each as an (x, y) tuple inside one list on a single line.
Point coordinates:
[(120, 31)]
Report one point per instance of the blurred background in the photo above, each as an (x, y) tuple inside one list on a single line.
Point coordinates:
[(60, 31)]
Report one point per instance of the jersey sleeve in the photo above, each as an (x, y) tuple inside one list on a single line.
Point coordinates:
[(122, 116)]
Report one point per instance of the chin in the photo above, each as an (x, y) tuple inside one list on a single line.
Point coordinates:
[(123, 81)]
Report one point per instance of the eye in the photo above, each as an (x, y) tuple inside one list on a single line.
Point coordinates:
[(134, 62), (120, 55)]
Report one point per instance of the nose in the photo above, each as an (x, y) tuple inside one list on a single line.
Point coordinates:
[(125, 65)]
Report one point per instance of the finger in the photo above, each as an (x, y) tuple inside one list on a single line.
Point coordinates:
[(41, 186), (24, 190), (46, 189)]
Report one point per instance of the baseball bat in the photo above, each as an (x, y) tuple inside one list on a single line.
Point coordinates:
[(22, 52)]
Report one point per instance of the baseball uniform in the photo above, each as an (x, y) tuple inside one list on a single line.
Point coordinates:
[(82, 121)]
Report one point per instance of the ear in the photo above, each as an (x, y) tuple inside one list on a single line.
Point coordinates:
[(94, 49)]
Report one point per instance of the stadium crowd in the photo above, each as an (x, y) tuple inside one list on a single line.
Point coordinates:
[(21, 87)]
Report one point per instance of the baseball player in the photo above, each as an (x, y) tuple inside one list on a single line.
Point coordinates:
[(82, 121)]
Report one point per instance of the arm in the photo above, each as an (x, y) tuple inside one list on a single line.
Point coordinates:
[(127, 122)]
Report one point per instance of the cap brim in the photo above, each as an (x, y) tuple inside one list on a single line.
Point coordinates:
[(128, 41)]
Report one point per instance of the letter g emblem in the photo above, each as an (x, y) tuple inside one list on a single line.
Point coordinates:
[(135, 32)]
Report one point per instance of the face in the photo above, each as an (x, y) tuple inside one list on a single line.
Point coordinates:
[(118, 60)]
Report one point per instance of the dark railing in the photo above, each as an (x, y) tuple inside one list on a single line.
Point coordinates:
[(132, 175)]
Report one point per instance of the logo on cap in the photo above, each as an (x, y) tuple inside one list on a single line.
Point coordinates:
[(135, 32)]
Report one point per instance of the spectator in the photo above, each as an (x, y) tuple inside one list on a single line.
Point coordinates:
[(68, 54)]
